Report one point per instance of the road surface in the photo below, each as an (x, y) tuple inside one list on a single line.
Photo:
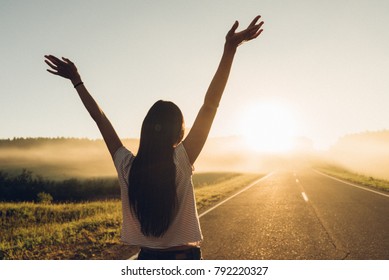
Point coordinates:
[(299, 215)]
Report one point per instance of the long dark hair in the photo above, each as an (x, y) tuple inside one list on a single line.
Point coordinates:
[(152, 179)]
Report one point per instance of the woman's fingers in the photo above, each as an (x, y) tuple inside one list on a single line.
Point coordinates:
[(51, 64), (254, 21), (67, 60), (254, 31), (52, 72), (233, 28), (55, 64), (255, 27), (256, 34), (251, 30), (63, 67), (53, 59)]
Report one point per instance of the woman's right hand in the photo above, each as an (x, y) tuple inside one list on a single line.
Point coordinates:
[(64, 68)]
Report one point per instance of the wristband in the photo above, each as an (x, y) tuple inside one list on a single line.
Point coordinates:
[(78, 84)]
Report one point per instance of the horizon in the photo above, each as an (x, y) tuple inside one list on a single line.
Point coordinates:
[(361, 152), (242, 138)]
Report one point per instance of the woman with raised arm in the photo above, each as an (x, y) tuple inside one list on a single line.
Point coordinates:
[(158, 204)]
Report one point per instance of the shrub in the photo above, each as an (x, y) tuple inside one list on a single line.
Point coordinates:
[(44, 198)]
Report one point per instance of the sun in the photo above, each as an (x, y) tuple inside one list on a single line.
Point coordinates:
[(268, 127)]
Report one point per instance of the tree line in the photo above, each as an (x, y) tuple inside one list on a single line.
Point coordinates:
[(21, 142), (28, 187)]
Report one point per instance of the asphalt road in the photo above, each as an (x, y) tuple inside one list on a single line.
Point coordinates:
[(299, 215)]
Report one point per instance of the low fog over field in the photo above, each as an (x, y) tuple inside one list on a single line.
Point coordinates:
[(57, 158), (61, 158), (365, 153)]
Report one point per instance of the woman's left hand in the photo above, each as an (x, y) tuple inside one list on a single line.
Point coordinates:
[(233, 40)]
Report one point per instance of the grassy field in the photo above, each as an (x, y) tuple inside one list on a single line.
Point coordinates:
[(63, 231), (355, 177), (87, 230)]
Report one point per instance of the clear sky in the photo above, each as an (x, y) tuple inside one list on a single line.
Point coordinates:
[(323, 65)]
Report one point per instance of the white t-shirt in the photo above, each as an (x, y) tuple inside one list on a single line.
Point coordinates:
[(185, 228)]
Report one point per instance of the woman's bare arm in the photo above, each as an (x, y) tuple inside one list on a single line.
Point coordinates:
[(197, 136), (66, 69)]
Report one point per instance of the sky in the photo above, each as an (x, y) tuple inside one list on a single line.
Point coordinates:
[(322, 67)]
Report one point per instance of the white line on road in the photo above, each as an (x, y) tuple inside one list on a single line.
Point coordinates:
[(351, 184), (304, 196), (227, 199)]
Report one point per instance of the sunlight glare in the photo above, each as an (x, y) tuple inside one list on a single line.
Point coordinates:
[(268, 127)]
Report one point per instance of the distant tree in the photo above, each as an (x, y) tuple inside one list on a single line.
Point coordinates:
[(44, 198)]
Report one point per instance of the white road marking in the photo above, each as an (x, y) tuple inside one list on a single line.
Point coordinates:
[(351, 184), (227, 199), (297, 181), (304, 196)]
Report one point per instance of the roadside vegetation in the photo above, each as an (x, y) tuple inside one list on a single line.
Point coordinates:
[(43, 229), (353, 177), (26, 186), (60, 231), (228, 183)]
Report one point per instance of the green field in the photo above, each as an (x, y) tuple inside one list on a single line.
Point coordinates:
[(353, 177), (88, 230)]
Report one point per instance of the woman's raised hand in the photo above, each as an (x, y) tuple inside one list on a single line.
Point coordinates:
[(64, 68), (233, 40)]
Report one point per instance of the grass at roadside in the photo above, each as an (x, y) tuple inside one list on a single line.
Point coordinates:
[(208, 195), (87, 230), (60, 231), (353, 177)]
